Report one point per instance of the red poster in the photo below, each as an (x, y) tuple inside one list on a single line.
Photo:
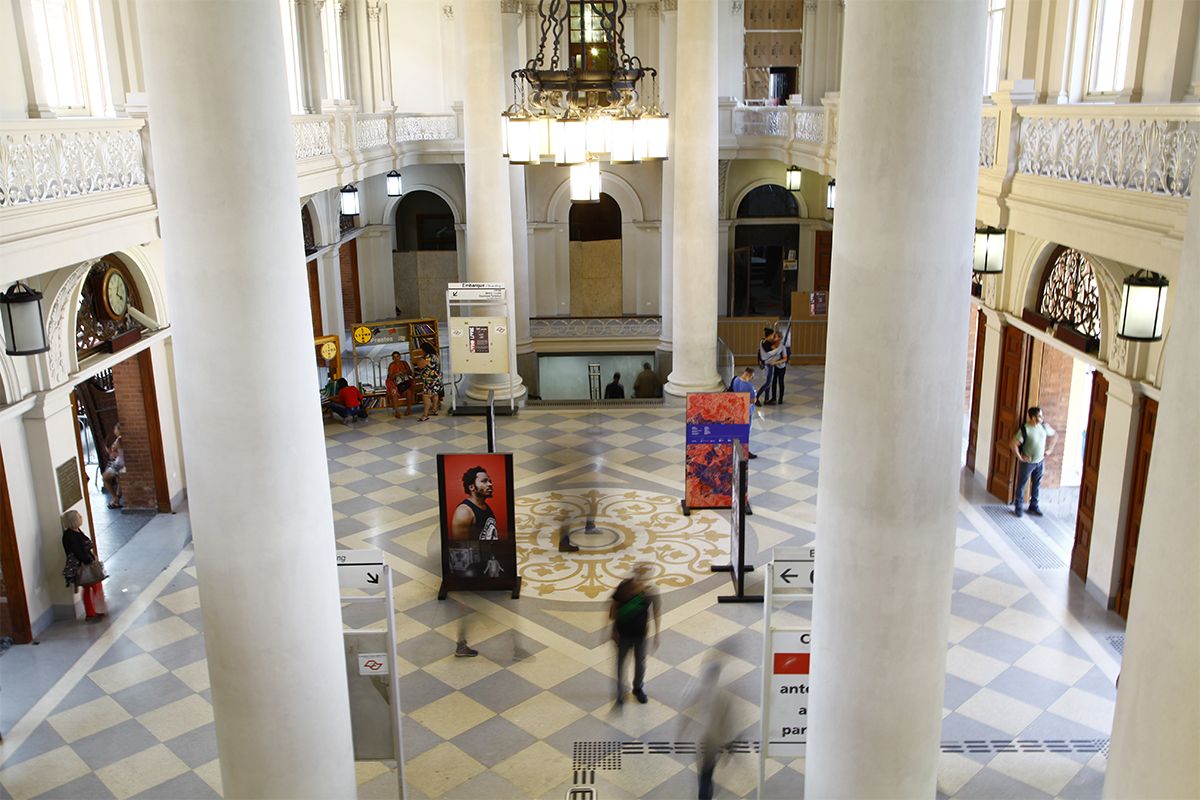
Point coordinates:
[(713, 421)]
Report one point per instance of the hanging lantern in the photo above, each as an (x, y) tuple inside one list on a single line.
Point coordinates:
[(520, 140), (24, 329), (395, 187), (621, 140), (572, 142), (585, 182), (657, 133), (597, 134), (348, 201), (830, 194), (989, 251), (1143, 306), (791, 179), (640, 143), (539, 136)]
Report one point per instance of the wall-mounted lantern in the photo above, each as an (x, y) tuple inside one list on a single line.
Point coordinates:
[(348, 201), (989, 251), (1143, 306), (24, 327)]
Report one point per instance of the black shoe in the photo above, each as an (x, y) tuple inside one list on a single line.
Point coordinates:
[(1017, 511), (752, 455), (641, 696), (1037, 512), (465, 652)]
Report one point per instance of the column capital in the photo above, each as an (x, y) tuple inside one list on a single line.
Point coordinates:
[(669, 5), (511, 6)]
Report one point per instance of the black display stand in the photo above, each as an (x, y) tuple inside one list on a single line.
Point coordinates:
[(491, 421), (739, 507)]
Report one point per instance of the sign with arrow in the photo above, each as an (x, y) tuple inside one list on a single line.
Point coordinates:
[(360, 569), (793, 569), (475, 291)]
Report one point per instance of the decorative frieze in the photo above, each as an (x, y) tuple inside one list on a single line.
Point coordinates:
[(49, 164), (448, 10), (605, 328), (1136, 154), (987, 142), (511, 6)]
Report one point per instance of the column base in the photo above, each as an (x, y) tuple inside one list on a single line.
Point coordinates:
[(677, 387), (478, 387)]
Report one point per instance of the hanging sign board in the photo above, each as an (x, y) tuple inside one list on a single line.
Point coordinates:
[(476, 292), (787, 711), (713, 422), (478, 521), (479, 345)]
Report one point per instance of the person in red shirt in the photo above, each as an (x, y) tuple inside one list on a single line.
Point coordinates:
[(348, 403)]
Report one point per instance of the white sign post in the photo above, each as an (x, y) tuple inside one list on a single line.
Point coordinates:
[(479, 344), (786, 656)]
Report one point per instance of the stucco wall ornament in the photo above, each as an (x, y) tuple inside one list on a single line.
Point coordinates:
[(60, 323), (511, 6), (722, 182), (987, 142), (670, 5), (618, 327), (50, 165), (1143, 155), (448, 10), (735, 7)]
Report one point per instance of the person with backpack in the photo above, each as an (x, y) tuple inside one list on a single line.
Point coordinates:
[(632, 605), (1031, 444)]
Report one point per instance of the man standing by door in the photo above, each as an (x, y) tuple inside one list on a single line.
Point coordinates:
[(1031, 444)]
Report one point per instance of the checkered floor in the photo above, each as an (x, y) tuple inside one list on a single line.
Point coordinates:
[(1029, 686)]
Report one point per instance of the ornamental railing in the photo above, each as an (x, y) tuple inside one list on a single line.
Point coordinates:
[(760, 121), (426, 127), (1139, 148), (314, 135), (988, 134), (808, 124), (43, 160), (595, 327)]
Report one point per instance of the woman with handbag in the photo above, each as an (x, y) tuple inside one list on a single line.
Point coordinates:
[(83, 570)]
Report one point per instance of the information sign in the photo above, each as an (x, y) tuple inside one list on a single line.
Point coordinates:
[(793, 569), (360, 569), (788, 661), (475, 292), (372, 663)]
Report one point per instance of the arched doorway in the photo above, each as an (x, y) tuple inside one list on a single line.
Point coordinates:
[(425, 259), (764, 271), (595, 258)]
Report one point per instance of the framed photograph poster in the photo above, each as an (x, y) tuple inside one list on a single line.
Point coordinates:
[(476, 505)]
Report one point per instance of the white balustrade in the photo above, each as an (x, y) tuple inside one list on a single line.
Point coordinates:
[(1140, 148), (43, 160), (313, 138), (426, 127), (760, 121), (371, 131), (808, 124)]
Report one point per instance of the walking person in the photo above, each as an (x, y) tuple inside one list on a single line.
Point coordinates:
[(778, 370), (714, 715), (79, 551), (429, 373), (632, 605), (745, 383), (1031, 444)]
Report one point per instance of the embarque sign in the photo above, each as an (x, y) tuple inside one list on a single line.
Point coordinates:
[(787, 731)]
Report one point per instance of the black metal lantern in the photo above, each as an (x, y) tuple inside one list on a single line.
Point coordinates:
[(830, 194), (24, 328), (395, 187), (1143, 306), (989, 251), (348, 201), (792, 178)]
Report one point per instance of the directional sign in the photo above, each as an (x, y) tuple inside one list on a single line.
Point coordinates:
[(793, 569), (372, 664), (360, 569), (787, 712), (475, 291)]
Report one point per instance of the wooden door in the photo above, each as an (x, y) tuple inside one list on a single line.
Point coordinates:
[(314, 298), (351, 304), (822, 257), (158, 461), (976, 386), (1088, 485), (14, 608), (1137, 497), (1010, 411)]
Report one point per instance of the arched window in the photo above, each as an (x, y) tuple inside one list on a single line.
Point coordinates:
[(769, 200), (1112, 21), (66, 43), (424, 222), (1069, 293)]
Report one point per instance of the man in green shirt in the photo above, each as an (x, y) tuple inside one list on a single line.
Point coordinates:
[(1031, 444)]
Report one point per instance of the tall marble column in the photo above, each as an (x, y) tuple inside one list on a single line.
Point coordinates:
[(1156, 729), (312, 53), (489, 197), (257, 482), (511, 15), (694, 227), (890, 444), (666, 65)]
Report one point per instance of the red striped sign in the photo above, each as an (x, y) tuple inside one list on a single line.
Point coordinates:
[(791, 663)]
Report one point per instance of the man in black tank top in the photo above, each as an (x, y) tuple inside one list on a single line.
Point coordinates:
[(473, 519)]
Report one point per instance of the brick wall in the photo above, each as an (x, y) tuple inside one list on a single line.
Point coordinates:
[(1054, 395), (137, 484), (348, 267)]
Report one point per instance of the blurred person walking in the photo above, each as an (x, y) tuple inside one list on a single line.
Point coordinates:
[(633, 603), (713, 712)]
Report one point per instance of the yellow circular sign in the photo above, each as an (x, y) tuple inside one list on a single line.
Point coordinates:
[(363, 335), (328, 351)]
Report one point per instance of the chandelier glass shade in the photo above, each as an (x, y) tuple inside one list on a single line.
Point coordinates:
[(582, 97), (585, 182)]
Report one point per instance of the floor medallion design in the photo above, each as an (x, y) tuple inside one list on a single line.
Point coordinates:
[(614, 530)]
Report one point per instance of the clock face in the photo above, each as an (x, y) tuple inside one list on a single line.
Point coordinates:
[(363, 335), (328, 350), (116, 294)]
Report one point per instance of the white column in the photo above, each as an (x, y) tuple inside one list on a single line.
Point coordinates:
[(1156, 729), (892, 432), (694, 296), (258, 484), (511, 14), (666, 75), (808, 58), (489, 198), (312, 53)]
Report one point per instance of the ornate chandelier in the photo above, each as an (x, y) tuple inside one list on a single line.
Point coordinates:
[(581, 98)]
